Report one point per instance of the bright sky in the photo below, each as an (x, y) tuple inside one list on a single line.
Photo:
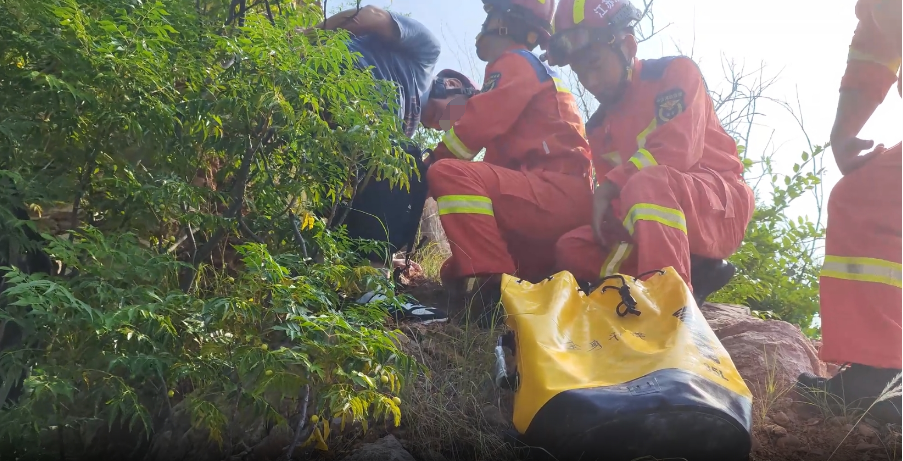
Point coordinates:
[(805, 40)]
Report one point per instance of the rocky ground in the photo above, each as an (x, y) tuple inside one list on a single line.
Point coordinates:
[(457, 414)]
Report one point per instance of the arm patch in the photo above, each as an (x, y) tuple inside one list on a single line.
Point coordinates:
[(669, 104), (491, 81)]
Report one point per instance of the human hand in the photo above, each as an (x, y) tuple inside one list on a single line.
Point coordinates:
[(846, 153), (602, 197)]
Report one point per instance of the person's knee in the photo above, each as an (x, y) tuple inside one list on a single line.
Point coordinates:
[(650, 178), (439, 171), (572, 245)]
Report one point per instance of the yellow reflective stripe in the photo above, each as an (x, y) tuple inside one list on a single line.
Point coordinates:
[(641, 138), (456, 146), (892, 64), (617, 256), (642, 159), (560, 86), (863, 270), (579, 6), (464, 204), (649, 212)]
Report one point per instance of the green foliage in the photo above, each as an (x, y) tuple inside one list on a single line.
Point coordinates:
[(180, 291), (777, 264)]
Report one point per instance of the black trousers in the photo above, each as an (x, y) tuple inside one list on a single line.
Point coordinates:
[(390, 215)]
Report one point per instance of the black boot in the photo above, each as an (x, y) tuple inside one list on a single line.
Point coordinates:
[(855, 387), (708, 276)]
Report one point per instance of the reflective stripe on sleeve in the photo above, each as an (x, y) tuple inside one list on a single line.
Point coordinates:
[(464, 204), (891, 64), (863, 270), (615, 258), (456, 146), (643, 158), (649, 212)]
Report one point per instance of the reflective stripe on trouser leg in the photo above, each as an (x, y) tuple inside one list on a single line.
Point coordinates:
[(616, 256), (863, 270), (464, 204), (670, 217)]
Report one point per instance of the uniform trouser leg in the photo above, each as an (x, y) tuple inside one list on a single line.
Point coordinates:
[(479, 204), (860, 283), (668, 214)]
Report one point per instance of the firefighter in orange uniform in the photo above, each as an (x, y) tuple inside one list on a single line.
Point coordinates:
[(669, 179), (503, 214), (861, 279)]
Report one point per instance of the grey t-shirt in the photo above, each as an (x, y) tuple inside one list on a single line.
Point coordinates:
[(409, 63)]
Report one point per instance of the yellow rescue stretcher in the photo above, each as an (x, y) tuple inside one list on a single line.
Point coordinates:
[(629, 371)]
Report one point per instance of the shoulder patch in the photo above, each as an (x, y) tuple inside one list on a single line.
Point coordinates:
[(543, 71), (669, 104), (654, 69), (491, 81)]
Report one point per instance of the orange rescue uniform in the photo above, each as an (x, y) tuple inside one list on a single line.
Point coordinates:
[(860, 284), (533, 184), (679, 174)]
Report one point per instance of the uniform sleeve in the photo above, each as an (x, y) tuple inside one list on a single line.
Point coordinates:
[(509, 86), (676, 134), (873, 59), (417, 41)]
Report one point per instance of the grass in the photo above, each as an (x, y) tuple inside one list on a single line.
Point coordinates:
[(891, 390), (767, 394), (449, 410)]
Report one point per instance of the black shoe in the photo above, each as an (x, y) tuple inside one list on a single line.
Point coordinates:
[(408, 311), (708, 276), (855, 387)]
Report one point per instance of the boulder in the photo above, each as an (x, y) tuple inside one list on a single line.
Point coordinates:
[(763, 350), (431, 227), (387, 448)]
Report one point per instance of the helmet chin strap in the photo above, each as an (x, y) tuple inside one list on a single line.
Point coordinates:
[(626, 70)]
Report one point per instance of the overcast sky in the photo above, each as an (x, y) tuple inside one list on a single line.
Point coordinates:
[(805, 41)]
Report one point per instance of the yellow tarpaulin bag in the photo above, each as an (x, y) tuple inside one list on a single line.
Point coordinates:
[(630, 371)]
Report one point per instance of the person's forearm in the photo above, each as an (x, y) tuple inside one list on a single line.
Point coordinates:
[(853, 111), (367, 20)]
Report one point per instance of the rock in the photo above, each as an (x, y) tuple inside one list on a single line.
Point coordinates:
[(837, 421), (816, 451), (776, 430), (866, 446), (813, 422), (761, 348), (387, 448), (781, 419), (867, 432), (431, 227), (790, 442), (494, 416)]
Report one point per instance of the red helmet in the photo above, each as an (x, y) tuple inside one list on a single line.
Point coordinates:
[(612, 14), (577, 23), (535, 14)]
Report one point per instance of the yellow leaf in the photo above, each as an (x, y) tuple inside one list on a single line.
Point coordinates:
[(307, 222), (321, 443)]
